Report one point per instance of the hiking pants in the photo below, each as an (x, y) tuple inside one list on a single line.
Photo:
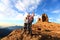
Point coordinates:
[(29, 28)]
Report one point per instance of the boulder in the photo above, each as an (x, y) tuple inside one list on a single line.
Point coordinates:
[(44, 18)]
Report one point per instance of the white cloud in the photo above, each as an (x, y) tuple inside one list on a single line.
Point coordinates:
[(58, 19), (27, 5), (8, 13), (56, 11), (5, 7), (50, 18)]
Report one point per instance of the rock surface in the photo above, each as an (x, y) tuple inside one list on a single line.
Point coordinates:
[(40, 31)]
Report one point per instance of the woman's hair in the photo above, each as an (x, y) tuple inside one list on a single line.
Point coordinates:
[(26, 17)]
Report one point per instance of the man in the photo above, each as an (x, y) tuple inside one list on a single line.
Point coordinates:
[(30, 20)]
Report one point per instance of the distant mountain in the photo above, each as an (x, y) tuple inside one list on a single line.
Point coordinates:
[(15, 27), (4, 32), (7, 30)]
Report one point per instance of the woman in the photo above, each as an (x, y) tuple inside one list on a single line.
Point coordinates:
[(26, 23)]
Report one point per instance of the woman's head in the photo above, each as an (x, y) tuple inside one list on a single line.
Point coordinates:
[(26, 17)]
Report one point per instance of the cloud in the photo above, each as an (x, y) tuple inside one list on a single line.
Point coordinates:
[(16, 9), (58, 20), (45, 10), (56, 11), (27, 5), (54, 0), (50, 18)]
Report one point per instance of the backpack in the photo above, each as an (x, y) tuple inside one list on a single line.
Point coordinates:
[(32, 19)]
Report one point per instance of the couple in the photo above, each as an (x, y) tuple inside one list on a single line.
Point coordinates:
[(28, 23)]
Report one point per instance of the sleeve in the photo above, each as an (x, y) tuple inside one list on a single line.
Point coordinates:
[(25, 19)]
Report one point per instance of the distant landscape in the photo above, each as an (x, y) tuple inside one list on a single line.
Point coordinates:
[(5, 31)]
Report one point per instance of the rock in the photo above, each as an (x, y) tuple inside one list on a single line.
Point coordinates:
[(14, 35), (40, 31), (39, 20), (36, 29), (20, 35), (44, 18)]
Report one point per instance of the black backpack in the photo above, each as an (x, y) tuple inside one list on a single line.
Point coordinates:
[(32, 19)]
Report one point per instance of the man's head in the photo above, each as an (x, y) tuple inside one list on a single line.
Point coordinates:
[(33, 14)]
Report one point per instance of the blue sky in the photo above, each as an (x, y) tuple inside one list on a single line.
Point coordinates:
[(13, 12)]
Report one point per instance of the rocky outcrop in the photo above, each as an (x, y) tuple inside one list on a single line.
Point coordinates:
[(20, 35), (44, 18), (14, 35), (39, 20), (40, 31)]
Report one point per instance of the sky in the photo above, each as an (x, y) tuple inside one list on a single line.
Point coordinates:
[(13, 12)]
